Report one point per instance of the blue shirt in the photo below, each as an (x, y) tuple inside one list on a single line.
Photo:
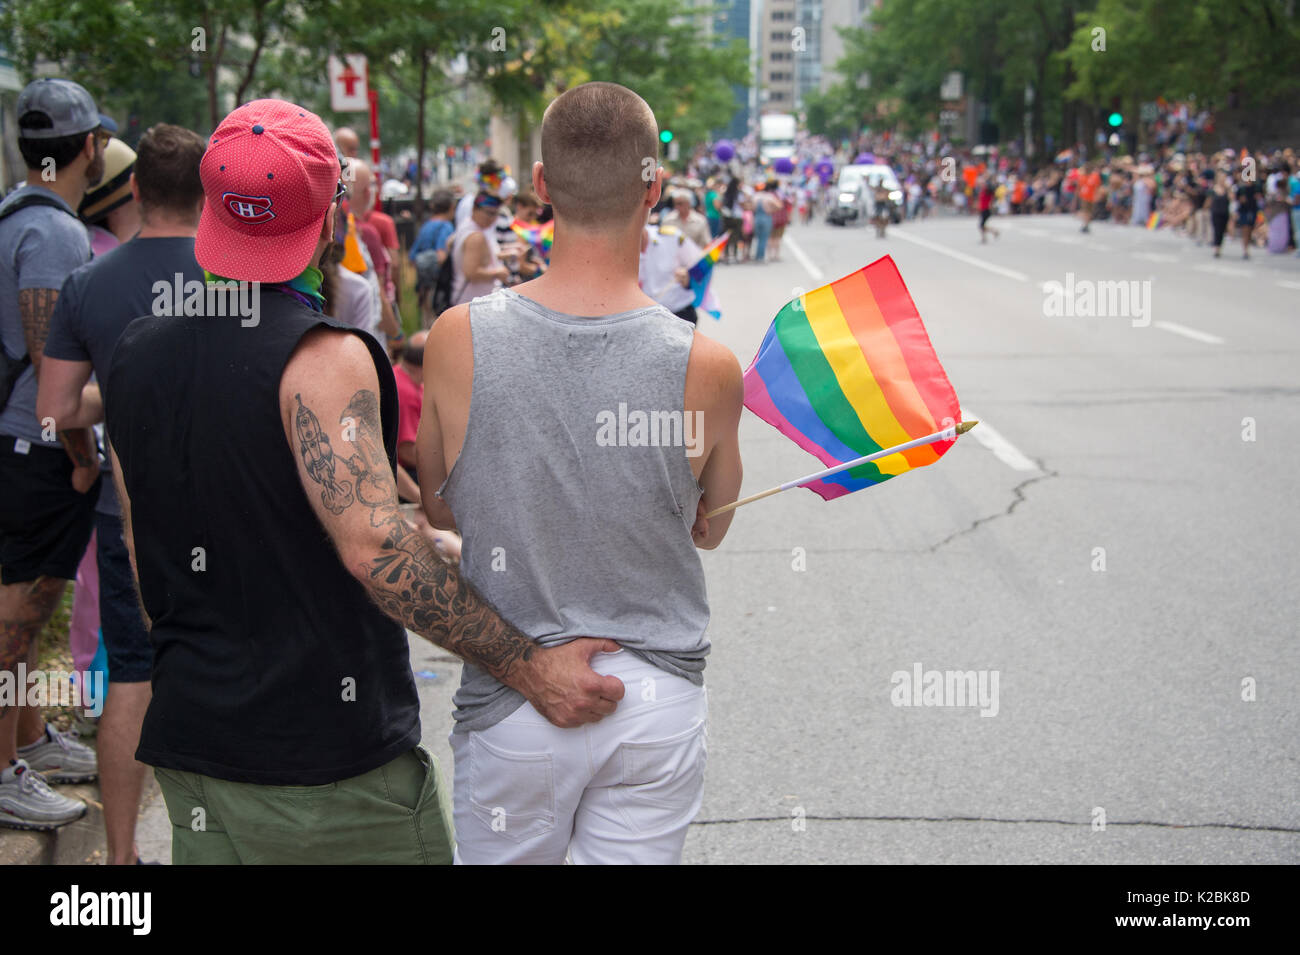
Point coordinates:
[(433, 235)]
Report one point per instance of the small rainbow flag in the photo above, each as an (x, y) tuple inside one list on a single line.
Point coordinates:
[(541, 236), (847, 370), (1153, 220), (491, 182), (701, 273)]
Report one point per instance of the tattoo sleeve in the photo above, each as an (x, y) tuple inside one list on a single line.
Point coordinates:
[(35, 309), (404, 576)]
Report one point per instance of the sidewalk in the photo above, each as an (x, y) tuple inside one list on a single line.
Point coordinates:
[(80, 842)]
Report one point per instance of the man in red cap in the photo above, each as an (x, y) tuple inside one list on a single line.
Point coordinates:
[(255, 466)]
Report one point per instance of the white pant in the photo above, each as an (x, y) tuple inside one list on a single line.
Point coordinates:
[(622, 790)]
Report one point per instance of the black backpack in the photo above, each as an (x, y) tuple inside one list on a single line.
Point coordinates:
[(441, 299), (11, 369)]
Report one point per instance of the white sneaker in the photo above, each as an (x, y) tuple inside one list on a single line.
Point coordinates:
[(60, 758), (28, 802)]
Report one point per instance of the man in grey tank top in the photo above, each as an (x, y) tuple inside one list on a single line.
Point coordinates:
[(576, 433)]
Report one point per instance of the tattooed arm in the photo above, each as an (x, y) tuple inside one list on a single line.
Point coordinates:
[(330, 411), (35, 308)]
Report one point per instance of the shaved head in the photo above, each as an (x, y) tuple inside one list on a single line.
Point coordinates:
[(347, 142), (600, 149), (360, 191)]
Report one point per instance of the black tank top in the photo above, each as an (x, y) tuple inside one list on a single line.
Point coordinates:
[(271, 665)]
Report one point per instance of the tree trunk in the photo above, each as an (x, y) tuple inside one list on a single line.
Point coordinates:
[(214, 72), (259, 41), (1036, 110), (419, 136)]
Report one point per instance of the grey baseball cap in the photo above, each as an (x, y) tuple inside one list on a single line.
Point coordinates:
[(65, 104)]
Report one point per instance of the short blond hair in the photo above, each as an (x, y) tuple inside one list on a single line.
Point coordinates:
[(600, 150)]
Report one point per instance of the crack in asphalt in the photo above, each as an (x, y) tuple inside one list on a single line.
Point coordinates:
[(1018, 491), (1155, 824), (1019, 498)]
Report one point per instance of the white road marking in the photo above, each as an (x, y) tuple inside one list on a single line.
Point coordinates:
[(1286, 284), (1002, 449), (789, 242), (1078, 240), (1191, 333), (1227, 270), (959, 256), (1155, 257)]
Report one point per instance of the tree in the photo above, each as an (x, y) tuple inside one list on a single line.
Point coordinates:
[(127, 49)]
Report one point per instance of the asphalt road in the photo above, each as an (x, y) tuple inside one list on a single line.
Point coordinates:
[(1120, 688), (1105, 540)]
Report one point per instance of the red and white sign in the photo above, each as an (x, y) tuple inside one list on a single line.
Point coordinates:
[(349, 81)]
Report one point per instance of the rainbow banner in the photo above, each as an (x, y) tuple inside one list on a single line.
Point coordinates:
[(701, 274), (847, 370), (541, 236), (1153, 221)]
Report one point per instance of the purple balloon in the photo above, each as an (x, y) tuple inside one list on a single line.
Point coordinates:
[(724, 150), (864, 159), (825, 169), (784, 166)]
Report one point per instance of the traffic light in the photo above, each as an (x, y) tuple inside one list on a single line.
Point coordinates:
[(1115, 119), (665, 136)]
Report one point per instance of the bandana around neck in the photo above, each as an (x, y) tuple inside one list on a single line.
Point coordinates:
[(305, 287)]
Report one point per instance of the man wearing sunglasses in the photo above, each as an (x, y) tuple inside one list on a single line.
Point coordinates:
[(50, 474)]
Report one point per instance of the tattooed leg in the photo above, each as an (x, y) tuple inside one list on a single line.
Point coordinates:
[(24, 609)]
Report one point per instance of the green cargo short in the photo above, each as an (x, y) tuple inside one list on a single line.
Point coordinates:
[(398, 814)]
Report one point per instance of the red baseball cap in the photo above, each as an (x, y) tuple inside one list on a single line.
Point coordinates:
[(269, 175)]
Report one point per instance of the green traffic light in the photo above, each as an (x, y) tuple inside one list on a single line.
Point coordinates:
[(1116, 119), (666, 136)]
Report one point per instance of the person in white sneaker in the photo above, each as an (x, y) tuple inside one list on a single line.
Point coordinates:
[(28, 802), (51, 482), (60, 757)]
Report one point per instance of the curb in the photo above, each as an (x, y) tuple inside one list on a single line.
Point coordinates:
[(78, 843)]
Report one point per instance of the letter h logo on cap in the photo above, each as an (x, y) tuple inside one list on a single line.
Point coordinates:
[(249, 208), (269, 175)]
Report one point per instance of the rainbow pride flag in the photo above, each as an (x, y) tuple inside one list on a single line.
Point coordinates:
[(1153, 220), (701, 274), (541, 236), (847, 370)]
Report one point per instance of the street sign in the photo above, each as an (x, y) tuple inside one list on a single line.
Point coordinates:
[(349, 83), (1150, 112)]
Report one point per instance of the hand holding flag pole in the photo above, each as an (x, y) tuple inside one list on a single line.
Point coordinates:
[(947, 434), (848, 373), (699, 275)]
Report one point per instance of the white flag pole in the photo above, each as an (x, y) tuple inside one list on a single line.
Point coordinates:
[(947, 434)]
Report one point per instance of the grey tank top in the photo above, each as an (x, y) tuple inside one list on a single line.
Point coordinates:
[(573, 490)]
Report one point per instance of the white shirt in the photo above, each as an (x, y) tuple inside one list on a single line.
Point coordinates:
[(464, 207), (665, 252), (462, 289), (356, 305)]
